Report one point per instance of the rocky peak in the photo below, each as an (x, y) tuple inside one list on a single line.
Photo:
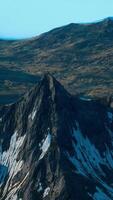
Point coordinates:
[(54, 146)]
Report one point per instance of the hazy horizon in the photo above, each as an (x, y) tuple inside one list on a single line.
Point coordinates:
[(25, 19)]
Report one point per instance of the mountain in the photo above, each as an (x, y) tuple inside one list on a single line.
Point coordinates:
[(56, 146), (80, 56)]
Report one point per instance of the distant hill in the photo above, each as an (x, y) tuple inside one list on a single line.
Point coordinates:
[(80, 56)]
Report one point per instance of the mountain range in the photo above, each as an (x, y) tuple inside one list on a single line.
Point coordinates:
[(55, 146), (80, 56)]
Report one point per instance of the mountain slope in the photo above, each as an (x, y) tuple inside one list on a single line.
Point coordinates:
[(79, 55), (55, 146)]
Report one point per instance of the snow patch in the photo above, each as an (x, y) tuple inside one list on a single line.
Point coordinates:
[(12, 192), (45, 146), (85, 99), (46, 192), (8, 158), (33, 114), (40, 187), (87, 160)]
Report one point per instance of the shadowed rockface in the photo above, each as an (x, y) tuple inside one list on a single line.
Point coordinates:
[(79, 55), (55, 146)]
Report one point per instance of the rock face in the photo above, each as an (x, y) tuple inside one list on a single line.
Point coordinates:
[(54, 146)]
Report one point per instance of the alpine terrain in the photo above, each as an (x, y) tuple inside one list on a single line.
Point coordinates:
[(80, 56), (56, 146)]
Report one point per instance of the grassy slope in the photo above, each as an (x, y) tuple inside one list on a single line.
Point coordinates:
[(80, 56)]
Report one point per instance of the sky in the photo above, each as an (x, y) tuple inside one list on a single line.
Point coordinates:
[(28, 18)]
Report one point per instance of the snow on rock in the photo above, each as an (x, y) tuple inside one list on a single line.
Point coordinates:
[(12, 195), (46, 192), (86, 155), (40, 187), (8, 159), (45, 146), (85, 99), (15, 197), (12, 192), (32, 115), (87, 160)]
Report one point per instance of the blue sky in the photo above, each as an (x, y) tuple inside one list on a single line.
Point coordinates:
[(27, 18)]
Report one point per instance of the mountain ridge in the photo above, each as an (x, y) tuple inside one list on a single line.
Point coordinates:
[(110, 18), (79, 56), (55, 146)]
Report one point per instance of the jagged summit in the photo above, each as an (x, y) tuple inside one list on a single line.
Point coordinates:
[(50, 90), (49, 81), (54, 146), (31, 127)]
